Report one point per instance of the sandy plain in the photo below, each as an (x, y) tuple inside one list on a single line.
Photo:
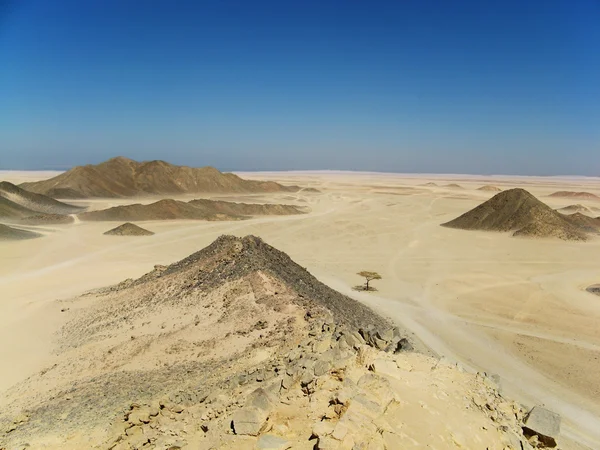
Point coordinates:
[(511, 306)]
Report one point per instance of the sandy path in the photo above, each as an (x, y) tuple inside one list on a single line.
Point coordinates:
[(447, 335)]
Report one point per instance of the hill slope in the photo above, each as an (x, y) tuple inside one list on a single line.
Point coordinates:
[(13, 234), (128, 229), (123, 177), (518, 211), (195, 210), (584, 222), (12, 210), (35, 202), (46, 219)]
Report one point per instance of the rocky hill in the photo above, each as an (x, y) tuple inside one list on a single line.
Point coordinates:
[(123, 177), (571, 194), (586, 223), (518, 211), (578, 208), (14, 234), (489, 188), (239, 347), (128, 229), (11, 210), (195, 210), (35, 202)]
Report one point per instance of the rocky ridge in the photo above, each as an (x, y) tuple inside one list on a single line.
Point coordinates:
[(124, 177), (168, 209), (24, 203), (16, 234), (335, 391), (237, 346)]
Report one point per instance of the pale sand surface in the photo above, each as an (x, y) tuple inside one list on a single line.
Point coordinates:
[(19, 176), (510, 306)]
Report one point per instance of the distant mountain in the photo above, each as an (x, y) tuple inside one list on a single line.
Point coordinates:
[(575, 208), (123, 177), (571, 194), (489, 188), (518, 211), (16, 202), (129, 229), (168, 209)]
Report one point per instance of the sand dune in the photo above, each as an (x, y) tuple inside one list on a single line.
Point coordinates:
[(123, 177), (194, 210), (518, 211), (128, 229)]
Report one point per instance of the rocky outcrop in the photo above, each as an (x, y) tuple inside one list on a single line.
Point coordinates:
[(328, 393), (594, 289)]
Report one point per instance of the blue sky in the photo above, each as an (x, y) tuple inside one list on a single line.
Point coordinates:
[(506, 87)]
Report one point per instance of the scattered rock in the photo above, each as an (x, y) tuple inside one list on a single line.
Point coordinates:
[(248, 421), (321, 368)]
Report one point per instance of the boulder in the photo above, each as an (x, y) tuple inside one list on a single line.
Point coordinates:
[(327, 443), (543, 423), (249, 421), (271, 442), (384, 367), (322, 428)]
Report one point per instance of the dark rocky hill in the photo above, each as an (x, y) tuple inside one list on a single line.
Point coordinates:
[(518, 211), (123, 177)]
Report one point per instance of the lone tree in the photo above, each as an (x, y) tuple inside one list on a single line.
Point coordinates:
[(369, 276)]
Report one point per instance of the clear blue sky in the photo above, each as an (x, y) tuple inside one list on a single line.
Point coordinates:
[(475, 86)]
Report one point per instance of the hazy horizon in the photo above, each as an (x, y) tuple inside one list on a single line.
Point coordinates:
[(346, 171), (412, 87)]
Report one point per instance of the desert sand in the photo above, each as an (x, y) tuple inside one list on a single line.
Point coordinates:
[(516, 307)]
